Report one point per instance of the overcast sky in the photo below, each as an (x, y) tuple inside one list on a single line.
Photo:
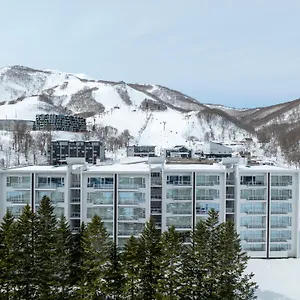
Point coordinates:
[(231, 52)]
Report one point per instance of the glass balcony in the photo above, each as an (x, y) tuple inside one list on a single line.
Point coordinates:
[(75, 214), (229, 209), (280, 198), (254, 212), (255, 198), (279, 211), (156, 210), (75, 199), (156, 181), (258, 226), (101, 185), (180, 212), (128, 201), (280, 225), (207, 183), (254, 239), (179, 183), (254, 247), (279, 239), (18, 200), (25, 185), (205, 197)]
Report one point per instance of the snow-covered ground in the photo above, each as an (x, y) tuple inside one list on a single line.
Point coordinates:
[(278, 279)]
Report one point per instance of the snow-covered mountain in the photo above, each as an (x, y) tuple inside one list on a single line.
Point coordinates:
[(152, 114)]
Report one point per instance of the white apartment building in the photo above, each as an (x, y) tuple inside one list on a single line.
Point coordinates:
[(261, 200)]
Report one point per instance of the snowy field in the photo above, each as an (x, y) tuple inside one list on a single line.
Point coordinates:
[(278, 279)]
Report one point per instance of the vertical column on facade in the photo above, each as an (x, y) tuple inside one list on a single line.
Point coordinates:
[(32, 192), (268, 213), (194, 200), (115, 209)]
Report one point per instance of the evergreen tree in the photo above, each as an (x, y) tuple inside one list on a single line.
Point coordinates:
[(194, 264), (26, 276), (170, 283), (213, 263), (131, 268), (45, 249), (77, 256), (62, 257), (149, 260), (234, 283), (7, 256), (113, 285), (96, 248)]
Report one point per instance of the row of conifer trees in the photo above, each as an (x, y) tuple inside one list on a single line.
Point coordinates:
[(41, 259)]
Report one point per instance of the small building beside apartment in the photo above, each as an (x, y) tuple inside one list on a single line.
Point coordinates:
[(216, 150), (141, 151), (179, 151)]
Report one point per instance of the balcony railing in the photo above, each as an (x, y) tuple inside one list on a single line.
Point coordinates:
[(255, 198), (229, 196), (206, 198), (75, 229), (179, 183), (159, 197), (262, 226), (280, 198), (75, 199), (254, 239), (255, 212), (128, 232), (18, 200), (207, 183), (19, 185), (156, 181), (180, 225), (129, 186), (258, 183), (229, 209), (101, 185), (281, 183), (128, 202), (229, 181), (279, 211), (180, 212), (104, 217), (281, 225), (48, 185), (75, 214), (75, 184), (279, 239), (179, 197), (127, 218), (155, 210)]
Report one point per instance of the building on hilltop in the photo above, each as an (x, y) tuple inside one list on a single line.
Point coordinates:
[(60, 150), (55, 122), (262, 201), (141, 151)]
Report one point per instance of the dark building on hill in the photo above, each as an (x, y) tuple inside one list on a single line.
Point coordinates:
[(60, 123), (92, 151)]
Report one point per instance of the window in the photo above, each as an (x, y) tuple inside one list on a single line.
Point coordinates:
[(179, 180)]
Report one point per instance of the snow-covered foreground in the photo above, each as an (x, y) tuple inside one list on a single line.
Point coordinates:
[(278, 279)]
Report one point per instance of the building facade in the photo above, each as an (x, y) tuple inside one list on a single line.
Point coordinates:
[(141, 151), (262, 201), (60, 123), (60, 150)]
